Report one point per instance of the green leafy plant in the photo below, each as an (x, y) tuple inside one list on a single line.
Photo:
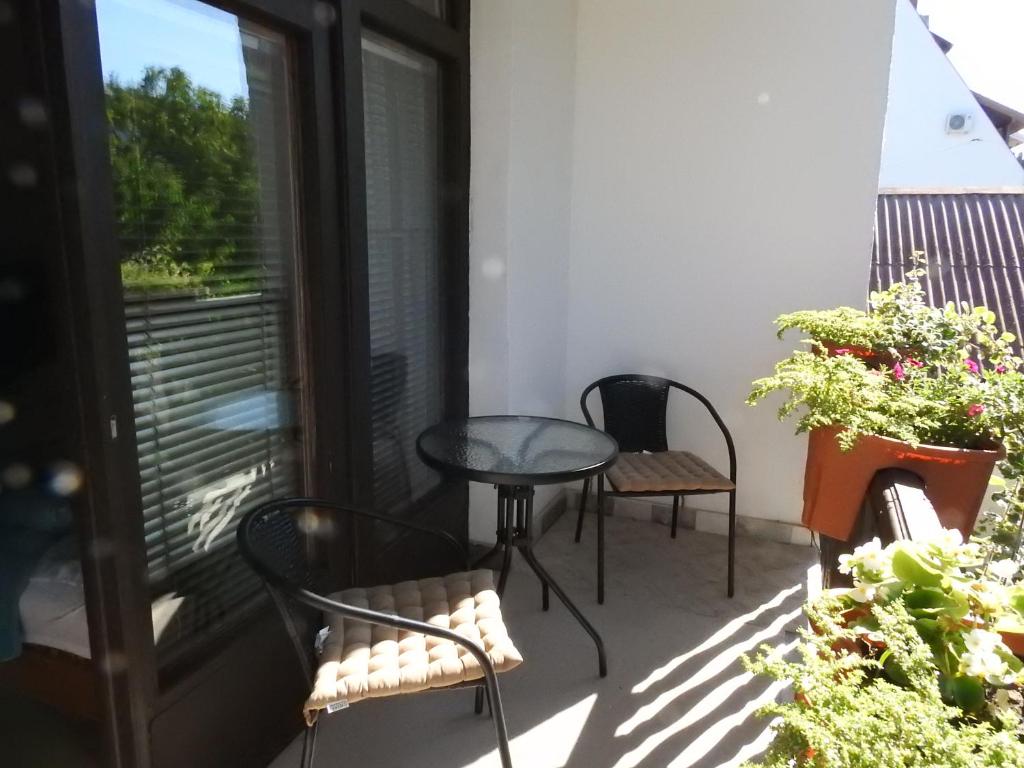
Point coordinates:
[(840, 327), (848, 713), (957, 601), (950, 378)]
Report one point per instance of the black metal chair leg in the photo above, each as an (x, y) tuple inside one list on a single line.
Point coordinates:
[(309, 745), (583, 509), (600, 539), (478, 700), (732, 543), (675, 515), (498, 715)]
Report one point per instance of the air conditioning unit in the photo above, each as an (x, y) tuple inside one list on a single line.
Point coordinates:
[(959, 122)]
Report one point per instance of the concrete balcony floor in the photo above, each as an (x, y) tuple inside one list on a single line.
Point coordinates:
[(676, 694)]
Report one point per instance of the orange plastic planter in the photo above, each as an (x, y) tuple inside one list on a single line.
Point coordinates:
[(871, 357), (1014, 641), (835, 482)]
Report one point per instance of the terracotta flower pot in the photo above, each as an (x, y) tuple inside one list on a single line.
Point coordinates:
[(1014, 641), (835, 482)]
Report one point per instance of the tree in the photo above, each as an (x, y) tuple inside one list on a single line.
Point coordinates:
[(185, 184)]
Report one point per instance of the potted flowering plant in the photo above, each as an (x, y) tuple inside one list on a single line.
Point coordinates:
[(959, 602), (849, 713), (948, 403), (908, 667)]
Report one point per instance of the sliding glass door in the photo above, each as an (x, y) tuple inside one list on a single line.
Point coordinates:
[(268, 243), (198, 102)]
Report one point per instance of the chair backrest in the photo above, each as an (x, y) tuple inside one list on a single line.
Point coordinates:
[(271, 544), (269, 540), (634, 408)]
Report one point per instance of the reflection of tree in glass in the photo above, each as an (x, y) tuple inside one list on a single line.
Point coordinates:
[(185, 185)]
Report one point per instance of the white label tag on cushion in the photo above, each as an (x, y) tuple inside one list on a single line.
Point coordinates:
[(321, 638), (335, 706)]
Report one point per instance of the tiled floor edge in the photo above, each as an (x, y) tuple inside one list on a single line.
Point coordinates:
[(704, 520)]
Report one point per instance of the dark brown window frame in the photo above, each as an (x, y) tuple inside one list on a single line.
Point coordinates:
[(328, 68)]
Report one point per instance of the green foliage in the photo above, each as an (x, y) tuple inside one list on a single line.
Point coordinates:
[(949, 376), (901, 323), (185, 185), (957, 600), (850, 713), (841, 327)]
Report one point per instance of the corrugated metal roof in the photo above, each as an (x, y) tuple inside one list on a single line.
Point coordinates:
[(973, 242)]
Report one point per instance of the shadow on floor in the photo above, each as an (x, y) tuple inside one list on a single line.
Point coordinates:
[(676, 694)]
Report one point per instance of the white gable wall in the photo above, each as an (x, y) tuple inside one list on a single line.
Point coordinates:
[(924, 88)]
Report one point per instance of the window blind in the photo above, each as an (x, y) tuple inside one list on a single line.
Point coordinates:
[(205, 206), (401, 94)]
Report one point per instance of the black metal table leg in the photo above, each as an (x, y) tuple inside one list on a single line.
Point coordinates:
[(505, 506), (499, 536), (544, 576), (523, 542)]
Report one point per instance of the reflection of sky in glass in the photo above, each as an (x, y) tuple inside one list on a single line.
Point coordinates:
[(202, 40)]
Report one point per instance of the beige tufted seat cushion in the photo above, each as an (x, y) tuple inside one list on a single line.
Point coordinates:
[(361, 660), (665, 471)]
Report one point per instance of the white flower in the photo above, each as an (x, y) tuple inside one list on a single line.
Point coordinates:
[(871, 557), (986, 665), (948, 541), (863, 593), (982, 641), (1003, 569), (846, 563), (981, 659)]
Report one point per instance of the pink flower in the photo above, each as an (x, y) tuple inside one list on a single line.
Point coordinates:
[(1000, 369), (971, 365), (842, 351), (975, 410), (915, 363), (898, 372)]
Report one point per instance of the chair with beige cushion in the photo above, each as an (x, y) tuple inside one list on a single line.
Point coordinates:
[(443, 632), (635, 408)]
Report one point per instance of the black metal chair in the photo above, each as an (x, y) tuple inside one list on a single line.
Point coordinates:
[(270, 541), (634, 408)]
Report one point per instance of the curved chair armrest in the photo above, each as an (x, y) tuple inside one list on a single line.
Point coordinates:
[(305, 502), (583, 402), (718, 420)]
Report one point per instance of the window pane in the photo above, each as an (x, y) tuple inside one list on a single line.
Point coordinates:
[(200, 137), (401, 120)]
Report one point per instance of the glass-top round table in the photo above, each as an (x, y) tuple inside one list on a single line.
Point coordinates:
[(517, 450), (516, 453)]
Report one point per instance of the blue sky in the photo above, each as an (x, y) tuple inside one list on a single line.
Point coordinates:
[(988, 44), (987, 37), (203, 41)]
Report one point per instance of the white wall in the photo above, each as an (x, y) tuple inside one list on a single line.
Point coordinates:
[(924, 88), (657, 181), (725, 168), (522, 75)]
